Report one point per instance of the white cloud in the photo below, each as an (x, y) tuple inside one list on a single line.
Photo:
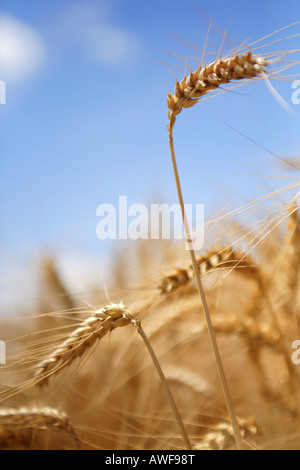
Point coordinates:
[(91, 28), (111, 45), (87, 11), (21, 50)]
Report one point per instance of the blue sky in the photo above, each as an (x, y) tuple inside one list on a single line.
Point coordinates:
[(85, 117)]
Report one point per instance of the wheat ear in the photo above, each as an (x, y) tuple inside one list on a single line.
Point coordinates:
[(83, 338), (192, 88), (93, 329), (187, 93), (225, 258), (35, 418), (189, 379), (54, 284)]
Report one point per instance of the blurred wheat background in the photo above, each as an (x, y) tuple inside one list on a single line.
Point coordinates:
[(79, 149)]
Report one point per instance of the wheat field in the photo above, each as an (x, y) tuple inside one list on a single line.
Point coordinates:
[(133, 368)]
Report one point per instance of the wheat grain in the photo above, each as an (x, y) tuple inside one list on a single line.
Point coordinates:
[(83, 338)]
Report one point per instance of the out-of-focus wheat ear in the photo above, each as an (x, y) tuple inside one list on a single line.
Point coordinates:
[(257, 336), (13, 421), (219, 258), (189, 379), (221, 437), (82, 339), (179, 278), (274, 328), (53, 284)]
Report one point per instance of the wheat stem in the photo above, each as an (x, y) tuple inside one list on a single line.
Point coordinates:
[(164, 382), (212, 336)]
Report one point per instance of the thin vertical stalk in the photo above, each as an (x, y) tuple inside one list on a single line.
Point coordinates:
[(164, 382), (237, 433)]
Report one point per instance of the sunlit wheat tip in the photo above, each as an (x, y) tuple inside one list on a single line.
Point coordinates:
[(209, 77)]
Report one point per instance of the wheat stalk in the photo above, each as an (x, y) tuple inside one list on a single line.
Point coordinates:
[(187, 93), (141, 332), (14, 420)]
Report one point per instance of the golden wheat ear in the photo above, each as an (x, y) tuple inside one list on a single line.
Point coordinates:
[(82, 339), (191, 89)]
